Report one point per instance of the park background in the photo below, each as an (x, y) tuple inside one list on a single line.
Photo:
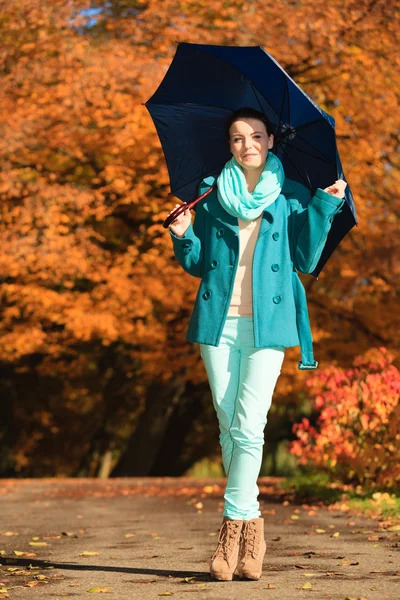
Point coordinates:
[(96, 377)]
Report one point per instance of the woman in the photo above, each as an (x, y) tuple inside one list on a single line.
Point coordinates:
[(249, 238)]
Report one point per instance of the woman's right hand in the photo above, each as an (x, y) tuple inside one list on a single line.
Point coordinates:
[(181, 223)]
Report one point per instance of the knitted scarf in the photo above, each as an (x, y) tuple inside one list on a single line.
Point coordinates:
[(233, 193)]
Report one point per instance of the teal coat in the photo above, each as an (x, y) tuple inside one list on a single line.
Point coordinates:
[(291, 238)]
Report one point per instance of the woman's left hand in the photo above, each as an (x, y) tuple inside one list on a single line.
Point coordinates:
[(337, 189)]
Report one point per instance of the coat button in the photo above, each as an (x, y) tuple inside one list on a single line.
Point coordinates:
[(207, 294), (214, 263), (220, 233), (275, 267), (277, 299), (275, 235)]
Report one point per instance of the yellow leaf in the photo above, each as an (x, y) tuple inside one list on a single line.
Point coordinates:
[(336, 534), (18, 553), (38, 543), (100, 590), (320, 530), (306, 586), (87, 553), (294, 517), (166, 594)]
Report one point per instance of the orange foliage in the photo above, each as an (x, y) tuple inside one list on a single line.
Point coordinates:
[(88, 278)]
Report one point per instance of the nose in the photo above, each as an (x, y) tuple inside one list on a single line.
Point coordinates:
[(248, 143)]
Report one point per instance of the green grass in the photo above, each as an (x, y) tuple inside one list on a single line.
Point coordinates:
[(388, 507), (318, 487)]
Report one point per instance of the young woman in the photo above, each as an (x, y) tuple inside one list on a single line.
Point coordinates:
[(249, 238)]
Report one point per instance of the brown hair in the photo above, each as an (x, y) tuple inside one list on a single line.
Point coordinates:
[(247, 112)]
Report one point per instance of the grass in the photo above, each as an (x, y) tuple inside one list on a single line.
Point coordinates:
[(314, 487)]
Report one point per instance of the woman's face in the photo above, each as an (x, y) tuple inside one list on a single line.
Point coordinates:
[(249, 143)]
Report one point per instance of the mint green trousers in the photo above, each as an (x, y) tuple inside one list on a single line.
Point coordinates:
[(242, 379)]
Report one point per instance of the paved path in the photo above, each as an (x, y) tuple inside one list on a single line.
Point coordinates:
[(149, 546)]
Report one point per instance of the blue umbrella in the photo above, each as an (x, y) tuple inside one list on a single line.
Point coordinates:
[(205, 84)]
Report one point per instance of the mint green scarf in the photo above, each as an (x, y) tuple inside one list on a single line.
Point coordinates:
[(234, 195)]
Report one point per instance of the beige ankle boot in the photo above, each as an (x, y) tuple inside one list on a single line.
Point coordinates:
[(224, 560), (252, 549)]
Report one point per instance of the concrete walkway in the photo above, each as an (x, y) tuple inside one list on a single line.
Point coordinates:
[(155, 537)]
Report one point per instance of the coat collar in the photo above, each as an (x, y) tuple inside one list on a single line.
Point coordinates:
[(212, 205)]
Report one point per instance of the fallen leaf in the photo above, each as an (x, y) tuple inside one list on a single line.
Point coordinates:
[(310, 574), (31, 584), (335, 535), (18, 553), (166, 594), (320, 530), (294, 517), (129, 535), (100, 590), (306, 586), (394, 528), (9, 533), (38, 543), (271, 586), (87, 553)]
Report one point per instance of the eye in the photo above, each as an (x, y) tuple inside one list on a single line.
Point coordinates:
[(236, 139)]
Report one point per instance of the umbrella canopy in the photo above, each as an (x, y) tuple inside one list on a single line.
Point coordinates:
[(205, 84)]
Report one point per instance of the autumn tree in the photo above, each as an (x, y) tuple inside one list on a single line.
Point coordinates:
[(96, 372)]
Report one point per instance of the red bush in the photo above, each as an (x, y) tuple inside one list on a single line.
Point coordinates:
[(357, 433)]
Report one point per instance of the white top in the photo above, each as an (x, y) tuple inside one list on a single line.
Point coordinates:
[(242, 297)]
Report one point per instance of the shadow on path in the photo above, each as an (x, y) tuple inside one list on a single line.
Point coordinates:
[(25, 562)]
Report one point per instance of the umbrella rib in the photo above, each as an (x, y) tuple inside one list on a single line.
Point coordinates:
[(308, 184), (196, 179), (321, 158)]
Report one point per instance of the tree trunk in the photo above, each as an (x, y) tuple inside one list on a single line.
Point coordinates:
[(145, 442), (180, 447)]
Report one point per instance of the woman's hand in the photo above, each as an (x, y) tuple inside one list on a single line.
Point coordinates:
[(181, 223), (337, 189)]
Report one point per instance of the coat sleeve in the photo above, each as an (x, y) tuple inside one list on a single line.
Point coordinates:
[(189, 249), (310, 220)]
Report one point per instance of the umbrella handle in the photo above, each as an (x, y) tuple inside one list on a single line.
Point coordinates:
[(180, 209)]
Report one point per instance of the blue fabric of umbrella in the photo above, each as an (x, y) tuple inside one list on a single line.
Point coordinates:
[(205, 84)]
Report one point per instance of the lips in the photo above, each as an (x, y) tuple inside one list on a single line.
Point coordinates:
[(247, 155)]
